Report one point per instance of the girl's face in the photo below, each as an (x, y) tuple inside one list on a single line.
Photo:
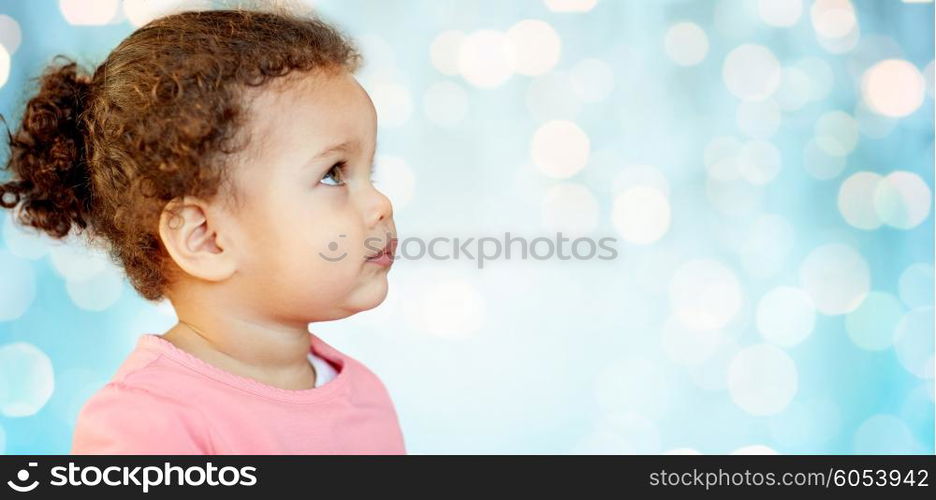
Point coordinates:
[(311, 217)]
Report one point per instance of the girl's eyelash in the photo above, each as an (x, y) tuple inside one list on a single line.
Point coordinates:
[(338, 168)]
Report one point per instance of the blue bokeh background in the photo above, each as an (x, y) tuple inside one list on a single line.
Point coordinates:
[(765, 165)]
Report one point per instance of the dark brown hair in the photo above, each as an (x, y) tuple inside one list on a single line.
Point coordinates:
[(102, 154)]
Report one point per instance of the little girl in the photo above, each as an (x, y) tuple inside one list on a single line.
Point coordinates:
[(224, 158)]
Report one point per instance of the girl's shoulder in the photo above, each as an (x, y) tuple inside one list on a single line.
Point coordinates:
[(144, 380), (124, 419), (141, 411), (145, 368)]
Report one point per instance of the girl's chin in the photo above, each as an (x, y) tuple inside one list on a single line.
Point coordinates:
[(375, 294), (366, 297)]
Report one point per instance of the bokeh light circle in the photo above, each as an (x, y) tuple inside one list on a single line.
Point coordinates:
[(893, 87), (140, 12), (762, 379), (929, 75), (640, 175), (711, 374), (24, 241), (721, 158), (10, 34), (641, 214), (738, 198), (487, 58), (751, 72), (872, 326), (856, 200), (913, 341), (444, 51), (795, 89), (872, 124), (75, 261), (4, 66), (902, 199), (785, 316), (759, 161), (884, 434), (570, 5), (97, 293), (833, 18), (450, 308), (821, 76), (685, 43), (560, 149), (837, 278), (26, 379), (837, 133), (80, 12), (819, 163), (780, 13), (393, 103), (916, 285), (570, 209), (17, 286), (537, 46), (705, 294)]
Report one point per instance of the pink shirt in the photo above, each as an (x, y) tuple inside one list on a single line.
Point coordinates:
[(163, 400)]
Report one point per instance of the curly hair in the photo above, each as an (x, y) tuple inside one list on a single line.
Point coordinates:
[(103, 154)]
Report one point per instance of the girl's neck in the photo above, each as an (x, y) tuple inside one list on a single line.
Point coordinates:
[(273, 354)]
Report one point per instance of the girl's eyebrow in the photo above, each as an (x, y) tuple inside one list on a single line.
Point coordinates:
[(343, 147), (348, 146)]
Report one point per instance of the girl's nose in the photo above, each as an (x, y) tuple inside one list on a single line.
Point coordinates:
[(378, 207)]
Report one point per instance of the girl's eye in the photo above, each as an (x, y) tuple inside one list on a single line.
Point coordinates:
[(334, 176)]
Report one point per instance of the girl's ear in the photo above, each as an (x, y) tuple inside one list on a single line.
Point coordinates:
[(192, 239)]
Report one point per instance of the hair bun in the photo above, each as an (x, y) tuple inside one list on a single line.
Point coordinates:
[(51, 184)]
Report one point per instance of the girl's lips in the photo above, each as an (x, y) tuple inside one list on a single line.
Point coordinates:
[(385, 257)]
